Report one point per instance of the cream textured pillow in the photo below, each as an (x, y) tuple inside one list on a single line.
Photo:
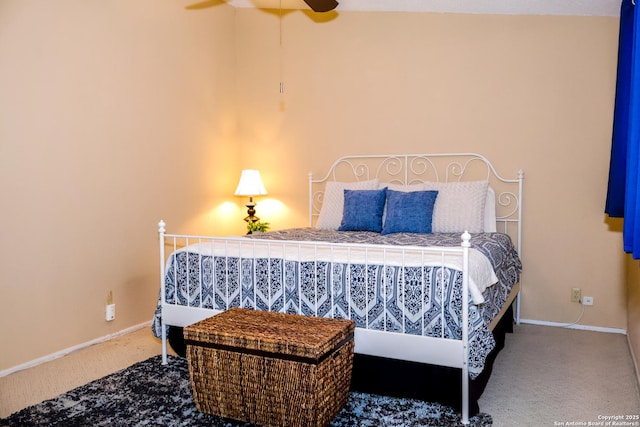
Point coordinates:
[(490, 212), (401, 187), (332, 209), (459, 207)]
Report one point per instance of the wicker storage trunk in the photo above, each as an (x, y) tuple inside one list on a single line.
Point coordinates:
[(271, 369)]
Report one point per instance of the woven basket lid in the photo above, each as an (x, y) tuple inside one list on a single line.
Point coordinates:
[(289, 334)]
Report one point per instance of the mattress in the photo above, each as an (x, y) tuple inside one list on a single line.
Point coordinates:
[(403, 295)]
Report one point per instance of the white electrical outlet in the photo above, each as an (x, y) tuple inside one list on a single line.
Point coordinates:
[(576, 293), (110, 312), (587, 301)]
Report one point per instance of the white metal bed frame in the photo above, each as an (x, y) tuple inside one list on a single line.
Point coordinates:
[(408, 169), (399, 169)]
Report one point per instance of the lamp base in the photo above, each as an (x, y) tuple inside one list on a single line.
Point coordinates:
[(251, 213)]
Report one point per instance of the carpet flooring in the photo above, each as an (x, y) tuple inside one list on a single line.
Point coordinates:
[(151, 394)]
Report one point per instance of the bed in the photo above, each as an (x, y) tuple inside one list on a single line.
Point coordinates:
[(421, 251)]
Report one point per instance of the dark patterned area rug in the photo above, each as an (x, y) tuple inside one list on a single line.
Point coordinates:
[(151, 394)]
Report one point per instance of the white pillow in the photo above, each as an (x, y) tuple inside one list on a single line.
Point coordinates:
[(460, 206), (401, 187), (490, 211), (332, 208)]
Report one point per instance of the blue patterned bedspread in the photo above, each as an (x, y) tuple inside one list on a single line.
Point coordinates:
[(370, 295)]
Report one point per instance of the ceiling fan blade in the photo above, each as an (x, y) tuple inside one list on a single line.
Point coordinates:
[(322, 5), (205, 4)]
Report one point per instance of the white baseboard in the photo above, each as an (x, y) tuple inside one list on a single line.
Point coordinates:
[(66, 351), (581, 327)]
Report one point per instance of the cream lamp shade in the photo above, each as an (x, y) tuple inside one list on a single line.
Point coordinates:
[(250, 185)]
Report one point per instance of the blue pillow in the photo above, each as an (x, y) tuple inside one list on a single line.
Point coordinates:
[(363, 210), (409, 212)]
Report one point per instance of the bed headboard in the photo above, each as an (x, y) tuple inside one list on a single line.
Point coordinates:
[(407, 169)]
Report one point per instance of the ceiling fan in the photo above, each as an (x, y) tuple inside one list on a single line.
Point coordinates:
[(315, 5), (321, 5)]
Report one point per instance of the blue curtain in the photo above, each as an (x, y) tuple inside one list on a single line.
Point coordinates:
[(624, 178)]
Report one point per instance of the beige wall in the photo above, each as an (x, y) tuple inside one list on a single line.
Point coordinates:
[(113, 115), (147, 130), (529, 92)]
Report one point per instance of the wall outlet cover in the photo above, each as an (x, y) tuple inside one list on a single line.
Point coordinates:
[(110, 312)]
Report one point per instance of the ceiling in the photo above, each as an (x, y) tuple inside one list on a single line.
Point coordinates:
[(500, 7)]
